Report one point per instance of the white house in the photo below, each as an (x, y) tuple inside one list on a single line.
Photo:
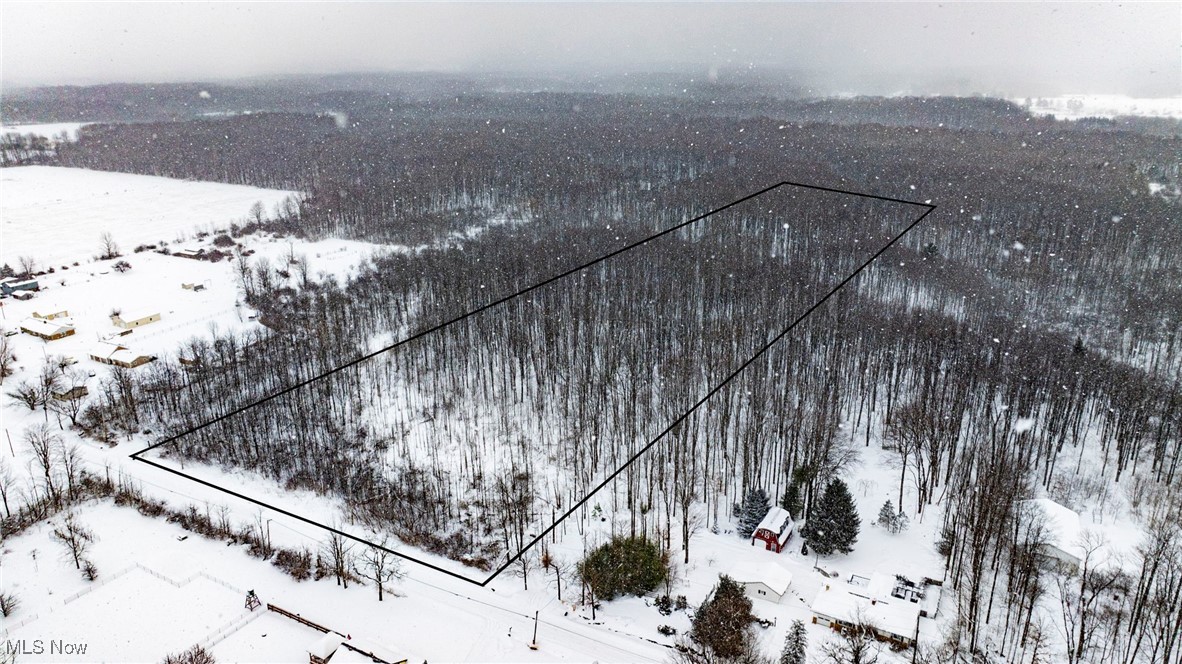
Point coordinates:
[(890, 605), (765, 581), (1062, 531)]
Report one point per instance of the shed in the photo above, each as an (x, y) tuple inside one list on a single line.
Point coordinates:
[(75, 392), (52, 313), (774, 530), (765, 581), (46, 329), (132, 319)]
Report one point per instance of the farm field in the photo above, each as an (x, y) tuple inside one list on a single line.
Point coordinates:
[(58, 214)]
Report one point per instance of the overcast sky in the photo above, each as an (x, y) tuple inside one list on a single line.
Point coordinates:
[(1012, 48)]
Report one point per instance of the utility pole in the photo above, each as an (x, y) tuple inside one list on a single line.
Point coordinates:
[(533, 645)]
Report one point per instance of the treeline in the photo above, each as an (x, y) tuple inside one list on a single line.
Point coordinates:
[(1051, 215)]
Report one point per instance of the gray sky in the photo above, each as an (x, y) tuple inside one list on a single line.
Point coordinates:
[(1012, 48)]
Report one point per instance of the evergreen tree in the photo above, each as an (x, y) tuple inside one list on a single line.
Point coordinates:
[(795, 645), (833, 526), (624, 566), (887, 517), (7, 271), (721, 623), (755, 507), (894, 521), (792, 501)]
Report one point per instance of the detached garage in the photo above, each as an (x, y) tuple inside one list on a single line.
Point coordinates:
[(764, 581)]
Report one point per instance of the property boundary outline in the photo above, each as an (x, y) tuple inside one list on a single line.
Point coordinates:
[(928, 208)]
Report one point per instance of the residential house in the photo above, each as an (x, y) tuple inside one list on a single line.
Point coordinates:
[(890, 606), (46, 329), (118, 356)]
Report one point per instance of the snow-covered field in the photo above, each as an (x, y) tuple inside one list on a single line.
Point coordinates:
[(1073, 107), (56, 215), (51, 130)]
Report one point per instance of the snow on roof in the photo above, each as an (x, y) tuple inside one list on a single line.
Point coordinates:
[(768, 573), (346, 656), (1062, 524), (45, 327), (365, 645), (137, 314), (775, 519), (849, 603), (325, 646), (110, 351)]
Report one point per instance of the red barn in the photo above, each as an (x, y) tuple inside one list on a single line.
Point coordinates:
[(774, 530)]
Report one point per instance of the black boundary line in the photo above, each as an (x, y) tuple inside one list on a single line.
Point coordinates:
[(136, 456)]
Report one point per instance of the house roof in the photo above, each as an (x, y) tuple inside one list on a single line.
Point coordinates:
[(768, 573), (1062, 525), (45, 327), (115, 352), (377, 649), (872, 602), (775, 520), (137, 314)]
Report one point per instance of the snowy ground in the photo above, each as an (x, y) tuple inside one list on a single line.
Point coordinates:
[(1073, 107), (47, 130), (56, 215)]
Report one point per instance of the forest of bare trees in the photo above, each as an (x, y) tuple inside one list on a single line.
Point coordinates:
[(1045, 288)]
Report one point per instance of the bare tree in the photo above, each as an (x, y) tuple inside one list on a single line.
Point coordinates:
[(339, 552), (75, 537), (855, 643), (7, 359), (380, 566), (72, 402), (26, 393), (7, 484), (9, 603), (28, 265), (1082, 598), (43, 445), (109, 248)]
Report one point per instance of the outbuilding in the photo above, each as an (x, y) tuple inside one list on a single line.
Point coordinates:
[(134, 319), (52, 313), (774, 530), (766, 581)]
